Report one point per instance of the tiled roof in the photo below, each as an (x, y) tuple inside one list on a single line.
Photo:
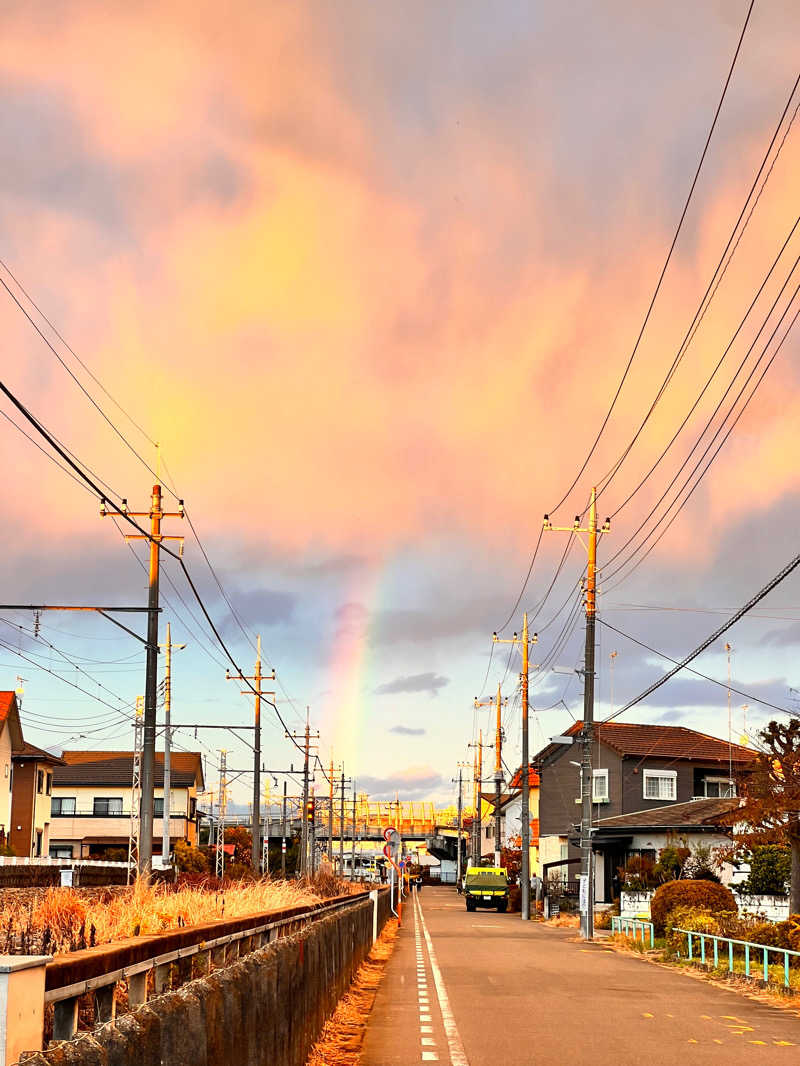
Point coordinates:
[(7, 700), (30, 751), (663, 742), (692, 815), (116, 768), (533, 778)]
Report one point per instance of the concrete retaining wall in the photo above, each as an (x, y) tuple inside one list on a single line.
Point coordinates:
[(265, 1010)]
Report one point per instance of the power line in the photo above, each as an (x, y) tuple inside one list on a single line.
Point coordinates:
[(697, 673), (664, 268), (708, 296), (126, 517), (779, 577), (713, 456)]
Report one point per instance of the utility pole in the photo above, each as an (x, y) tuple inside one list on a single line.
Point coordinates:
[(476, 822), (498, 767), (256, 678), (155, 514), (341, 829), (353, 854), (330, 817), (305, 737), (165, 813), (587, 863), (223, 805), (283, 832), (525, 872), (134, 836), (461, 765)]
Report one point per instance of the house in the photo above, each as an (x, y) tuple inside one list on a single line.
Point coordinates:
[(30, 800), (511, 816), (92, 798), (635, 768), (646, 833), (10, 738)]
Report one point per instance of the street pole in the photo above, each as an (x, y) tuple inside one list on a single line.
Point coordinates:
[(458, 850), (283, 833), (341, 831), (587, 860), (525, 870), (587, 865), (353, 855), (330, 818), (304, 823), (498, 778), (155, 514), (473, 848), (165, 836), (257, 678)]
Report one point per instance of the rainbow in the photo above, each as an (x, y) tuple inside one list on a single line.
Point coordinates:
[(345, 706)]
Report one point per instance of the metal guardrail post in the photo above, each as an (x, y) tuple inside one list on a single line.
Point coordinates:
[(65, 1018), (137, 989)]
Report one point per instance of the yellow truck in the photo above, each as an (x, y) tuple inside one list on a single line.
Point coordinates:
[(486, 886)]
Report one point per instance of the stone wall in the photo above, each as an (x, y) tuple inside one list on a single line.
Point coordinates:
[(267, 1009)]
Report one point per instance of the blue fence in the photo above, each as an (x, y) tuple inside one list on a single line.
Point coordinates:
[(634, 927), (707, 953)]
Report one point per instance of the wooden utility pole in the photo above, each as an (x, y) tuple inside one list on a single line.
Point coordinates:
[(283, 833), (353, 855), (165, 813), (478, 843), (330, 817), (257, 678), (499, 702), (306, 824), (587, 863), (525, 642), (155, 514)]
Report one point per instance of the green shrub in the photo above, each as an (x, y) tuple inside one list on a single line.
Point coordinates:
[(696, 895), (188, 859), (769, 871)]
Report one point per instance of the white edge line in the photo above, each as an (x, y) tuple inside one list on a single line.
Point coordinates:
[(456, 1048)]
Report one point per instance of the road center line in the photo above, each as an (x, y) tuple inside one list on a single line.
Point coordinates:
[(456, 1048)]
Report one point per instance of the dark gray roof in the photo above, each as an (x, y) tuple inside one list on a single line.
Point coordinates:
[(116, 768), (696, 814)]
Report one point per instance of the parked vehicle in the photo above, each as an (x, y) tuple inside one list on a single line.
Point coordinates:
[(486, 886)]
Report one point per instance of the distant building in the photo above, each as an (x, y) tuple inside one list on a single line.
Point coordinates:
[(635, 769), (10, 738), (30, 800), (92, 796)]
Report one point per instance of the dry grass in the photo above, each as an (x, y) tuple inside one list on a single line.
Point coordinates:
[(64, 919), (565, 921), (343, 1034)]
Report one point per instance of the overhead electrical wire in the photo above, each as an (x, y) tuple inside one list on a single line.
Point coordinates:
[(664, 267), (697, 673), (717, 367), (720, 631), (712, 287), (29, 417), (714, 455)]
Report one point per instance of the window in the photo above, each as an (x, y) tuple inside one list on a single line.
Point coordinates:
[(718, 787), (110, 805), (660, 784), (60, 851), (62, 805), (192, 806), (40, 781), (600, 786), (158, 807), (49, 784)]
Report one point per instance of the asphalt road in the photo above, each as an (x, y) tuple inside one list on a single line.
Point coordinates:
[(484, 989)]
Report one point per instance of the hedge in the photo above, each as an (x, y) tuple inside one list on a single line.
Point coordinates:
[(703, 895)]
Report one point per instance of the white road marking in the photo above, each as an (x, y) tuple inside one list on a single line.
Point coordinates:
[(457, 1054), (427, 1042)]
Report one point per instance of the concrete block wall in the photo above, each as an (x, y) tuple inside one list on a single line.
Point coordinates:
[(267, 1009)]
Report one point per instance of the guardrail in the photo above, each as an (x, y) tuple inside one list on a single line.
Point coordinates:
[(748, 947), (622, 925), (97, 970)]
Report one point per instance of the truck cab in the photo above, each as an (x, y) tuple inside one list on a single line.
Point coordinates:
[(486, 886)]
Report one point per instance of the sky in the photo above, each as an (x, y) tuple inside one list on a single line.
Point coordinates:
[(370, 276)]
